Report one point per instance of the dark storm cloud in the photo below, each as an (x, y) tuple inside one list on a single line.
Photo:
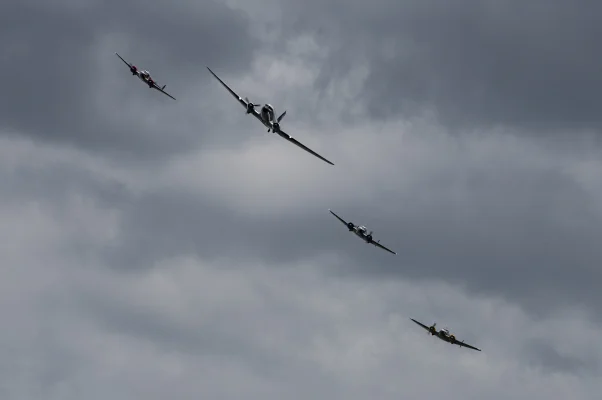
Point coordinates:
[(527, 235), (53, 81), (533, 65)]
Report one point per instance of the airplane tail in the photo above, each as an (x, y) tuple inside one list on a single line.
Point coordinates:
[(281, 116)]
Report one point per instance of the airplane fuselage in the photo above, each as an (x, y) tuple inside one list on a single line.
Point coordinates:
[(362, 233), (267, 118), (144, 76), (443, 335), (146, 79)]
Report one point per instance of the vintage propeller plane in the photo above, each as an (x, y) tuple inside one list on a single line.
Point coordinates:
[(267, 117), (145, 77), (362, 233), (444, 335)]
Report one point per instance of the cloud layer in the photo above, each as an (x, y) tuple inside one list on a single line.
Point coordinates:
[(175, 249)]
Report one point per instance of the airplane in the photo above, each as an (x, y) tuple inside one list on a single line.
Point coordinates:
[(146, 78), (266, 117), (444, 335), (360, 231)]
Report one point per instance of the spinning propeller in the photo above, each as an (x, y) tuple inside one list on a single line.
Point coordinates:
[(250, 106)]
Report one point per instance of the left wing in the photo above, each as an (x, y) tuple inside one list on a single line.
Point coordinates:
[(161, 90), (296, 142), (339, 218), (377, 244), (126, 63), (421, 324), (462, 344), (242, 101)]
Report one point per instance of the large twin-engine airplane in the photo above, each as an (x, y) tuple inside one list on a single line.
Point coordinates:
[(361, 232), (145, 77), (267, 117), (444, 335)]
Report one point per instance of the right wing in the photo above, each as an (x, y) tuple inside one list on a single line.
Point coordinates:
[(422, 325), (126, 63), (291, 139), (233, 93), (339, 218), (377, 244), (160, 89), (462, 344)]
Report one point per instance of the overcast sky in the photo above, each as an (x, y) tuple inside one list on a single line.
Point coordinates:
[(155, 249)]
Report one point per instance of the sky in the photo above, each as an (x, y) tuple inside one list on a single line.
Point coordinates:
[(174, 249)]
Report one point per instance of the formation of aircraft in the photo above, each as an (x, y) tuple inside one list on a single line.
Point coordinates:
[(361, 232), (444, 335), (145, 77), (267, 117)]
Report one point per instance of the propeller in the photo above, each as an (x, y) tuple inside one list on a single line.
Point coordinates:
[(250, 106)]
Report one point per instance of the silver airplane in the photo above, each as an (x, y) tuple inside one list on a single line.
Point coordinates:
[(146, 78), (267, 117), (361, 232), (444, 335)]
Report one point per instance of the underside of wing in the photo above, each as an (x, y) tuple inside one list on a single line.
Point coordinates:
[(162, 91), (462, 344), (421, 324), (296, 142), (339, 218), (126, 63), (383, 247), (232, 92)]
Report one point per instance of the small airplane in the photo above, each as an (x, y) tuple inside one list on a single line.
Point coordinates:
[(266, 117), (146, 78), (444, 335), (361, 232)]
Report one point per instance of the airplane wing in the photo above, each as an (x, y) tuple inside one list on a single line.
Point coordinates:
[(383, 247), (462, 344), (422, 325), (160, 89), (233, 93), (126, 63), (339, 218), (294, 141)]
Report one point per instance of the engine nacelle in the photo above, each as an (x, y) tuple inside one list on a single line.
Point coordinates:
[(133, 69), (432, 330), (250, 108), (369, 238), (452, 338), (151, 83), (350, 226)]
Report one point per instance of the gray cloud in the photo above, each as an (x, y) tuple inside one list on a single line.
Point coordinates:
[(545, 356), (478, 64), (59, 70)]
